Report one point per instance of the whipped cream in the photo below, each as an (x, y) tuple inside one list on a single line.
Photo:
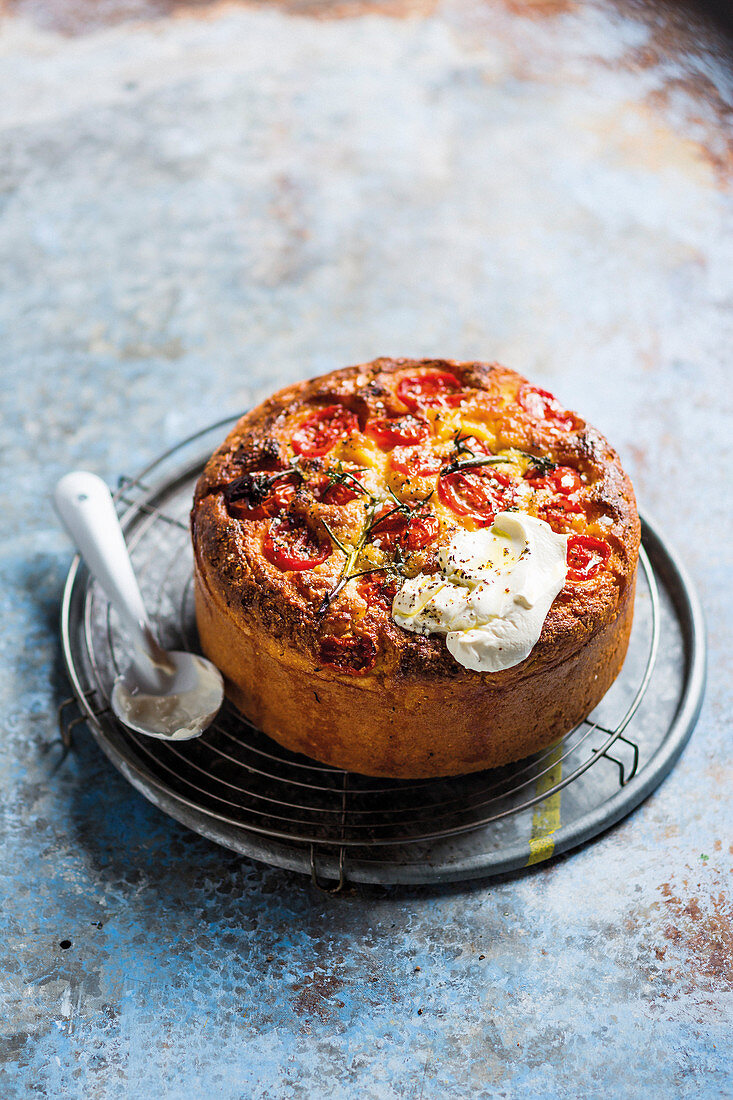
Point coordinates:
[(492, 594)]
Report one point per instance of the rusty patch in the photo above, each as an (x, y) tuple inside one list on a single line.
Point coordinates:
[(682, 40), (313, 993), (701, 928), (77, 17), (699, 91), (539, 8), (675, 27), (685, 38)]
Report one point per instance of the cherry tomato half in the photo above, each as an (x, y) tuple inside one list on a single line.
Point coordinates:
[(586, 557), (338, 494), (289, 544), (391, 529), (543, 405), (470, 445), (276, 500), (558, 512), (397, 431), (563, 479), (321, 431), (566, 480), (377, 590), (437, 387), (565, 484), (352, 654), (415, 461), (479, 492)]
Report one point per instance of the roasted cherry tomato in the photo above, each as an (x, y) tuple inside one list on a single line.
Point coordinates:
[(436, 387), (352, 654), (470, 445), (566, 480), (377, 590), (545, 406), (397, 431), (289, 544), (565, 484), (415, 461), (479, 492), (422, 529), (558, 512), (341, 491), (391, 529), (587, 555), (323, 429), (243, 503), (338, 494), (563, 479)]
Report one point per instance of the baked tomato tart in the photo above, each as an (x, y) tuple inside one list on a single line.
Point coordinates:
[(415, 568)]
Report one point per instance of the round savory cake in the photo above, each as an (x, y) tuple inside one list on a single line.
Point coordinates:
[(332, 522)]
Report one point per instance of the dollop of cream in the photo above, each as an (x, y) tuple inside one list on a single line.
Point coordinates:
[(492, 594)]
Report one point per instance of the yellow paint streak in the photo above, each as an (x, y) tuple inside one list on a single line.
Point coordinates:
[(546, 817)]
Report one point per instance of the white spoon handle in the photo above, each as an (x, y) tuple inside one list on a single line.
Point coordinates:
[(87, 511)]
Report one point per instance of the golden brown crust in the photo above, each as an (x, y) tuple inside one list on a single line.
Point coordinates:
[(421, 727), (242, 594)]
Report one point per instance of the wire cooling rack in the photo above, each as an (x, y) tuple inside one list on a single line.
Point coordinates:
[(241, 789)]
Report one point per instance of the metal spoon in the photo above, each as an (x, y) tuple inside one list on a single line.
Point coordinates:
[(172, 695)]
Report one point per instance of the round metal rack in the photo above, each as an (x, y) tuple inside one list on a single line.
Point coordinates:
[(241, 789)]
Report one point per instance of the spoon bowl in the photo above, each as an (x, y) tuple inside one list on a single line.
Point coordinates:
[(179, 708), (170, 695)]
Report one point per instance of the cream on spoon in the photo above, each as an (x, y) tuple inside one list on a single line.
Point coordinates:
[(172, 695)]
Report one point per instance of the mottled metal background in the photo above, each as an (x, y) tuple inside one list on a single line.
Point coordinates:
[(199, 202)]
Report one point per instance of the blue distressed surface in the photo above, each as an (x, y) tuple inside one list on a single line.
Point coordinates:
[(197, 210)]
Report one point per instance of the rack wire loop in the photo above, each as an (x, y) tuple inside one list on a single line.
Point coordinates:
[(67, 725), (320, 883), (623, 777)]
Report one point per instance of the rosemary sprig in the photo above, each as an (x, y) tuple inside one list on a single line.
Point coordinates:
[(335, 538), (472, 463), (542, 464), (338, 475), (401, 508), (539, 462), (465, 458), (352, 556), (460, 444), (293, 467), (353, 553)]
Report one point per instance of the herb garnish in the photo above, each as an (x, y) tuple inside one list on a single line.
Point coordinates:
[(463, 458), (401, 508), (354, 552), (352, 556), (339, 475), (540, 463), (255, 486)]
